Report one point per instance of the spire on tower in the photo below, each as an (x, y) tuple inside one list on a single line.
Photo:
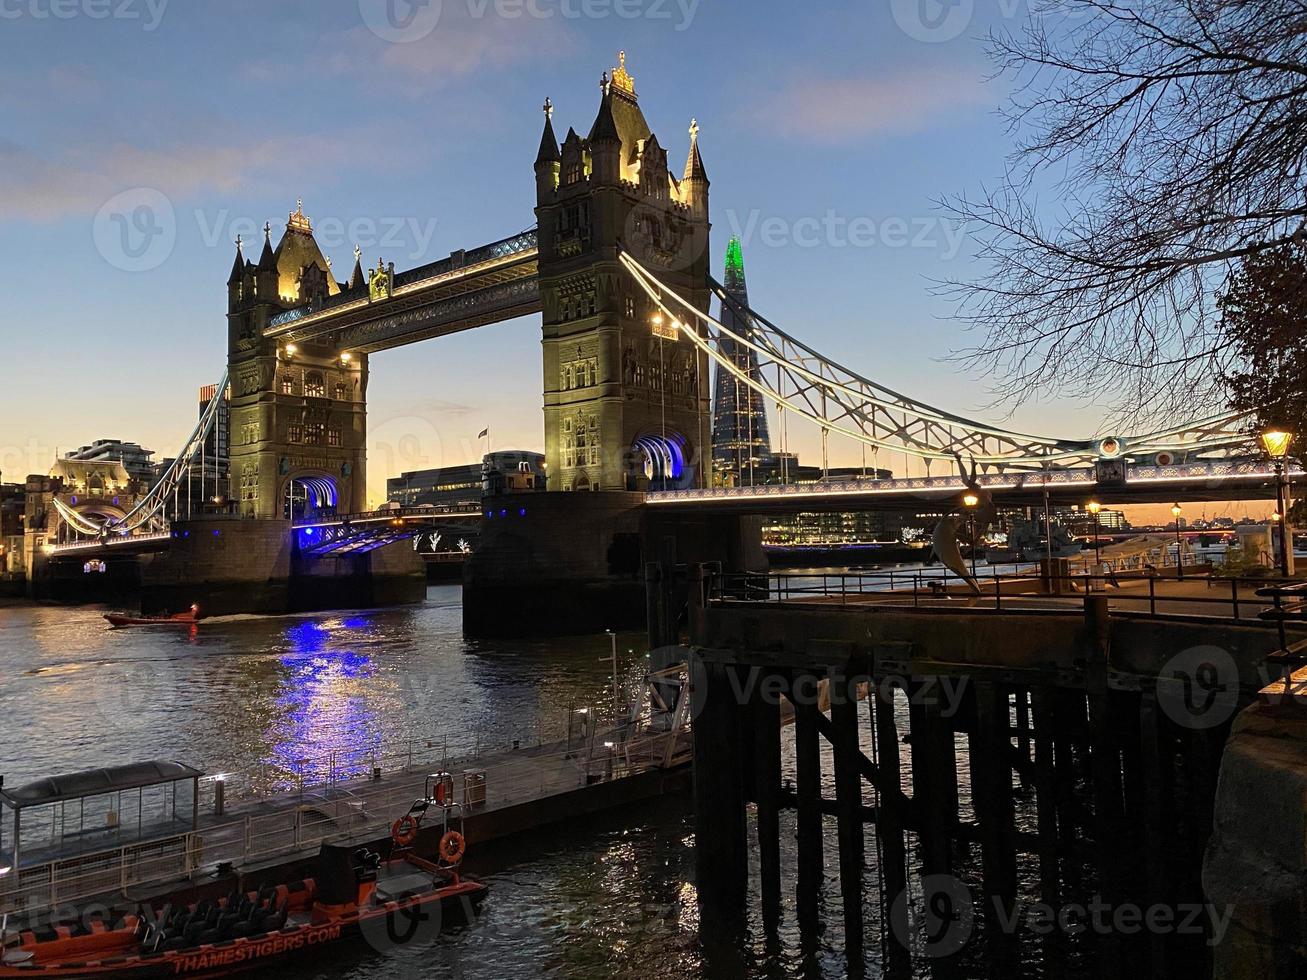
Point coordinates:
[(694, 168), (549, 152), (356, 277), (238, 267), (267, 260), (605, 126)]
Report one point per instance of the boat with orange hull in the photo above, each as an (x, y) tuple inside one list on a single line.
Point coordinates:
[(355, 895), (189, 618)]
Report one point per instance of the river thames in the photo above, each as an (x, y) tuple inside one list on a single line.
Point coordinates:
[(266, 697)]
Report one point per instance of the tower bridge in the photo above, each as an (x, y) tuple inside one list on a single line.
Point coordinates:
[(616, 264)]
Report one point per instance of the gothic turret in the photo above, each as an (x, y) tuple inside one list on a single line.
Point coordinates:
[(549, 160), (266, 271), (695, 183), (356, 278), (605, 141)]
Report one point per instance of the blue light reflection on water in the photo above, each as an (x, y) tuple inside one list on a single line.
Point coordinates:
[(325, 722)]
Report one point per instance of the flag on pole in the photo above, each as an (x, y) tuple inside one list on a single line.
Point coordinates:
[(483, 433)]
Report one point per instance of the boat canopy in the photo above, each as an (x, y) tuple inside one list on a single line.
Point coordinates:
[(97, 782)]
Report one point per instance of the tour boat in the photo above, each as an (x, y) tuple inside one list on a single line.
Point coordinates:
[(188, 618), (355, 895)]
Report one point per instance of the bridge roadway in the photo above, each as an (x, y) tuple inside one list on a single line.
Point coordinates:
[(1238, 479)]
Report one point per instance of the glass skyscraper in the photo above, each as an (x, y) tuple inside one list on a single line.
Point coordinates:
[(741, 446)]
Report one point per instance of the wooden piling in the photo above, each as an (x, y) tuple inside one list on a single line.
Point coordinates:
[(767, 778), (848, 804), (720, 827), (892, 818), (934, 779), (807, 759)]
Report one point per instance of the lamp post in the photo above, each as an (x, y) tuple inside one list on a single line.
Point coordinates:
[(1179, 546), (1276, 443), (970, 501), (1096, 508)]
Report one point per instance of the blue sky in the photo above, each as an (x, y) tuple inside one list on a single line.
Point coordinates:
[(813, 115)]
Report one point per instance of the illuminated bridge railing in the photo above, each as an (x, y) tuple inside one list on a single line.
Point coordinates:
[(1189, 476), (121, 541), (404, 514)]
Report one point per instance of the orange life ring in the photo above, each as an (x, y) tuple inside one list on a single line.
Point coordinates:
[(404, 831), (452, 847)]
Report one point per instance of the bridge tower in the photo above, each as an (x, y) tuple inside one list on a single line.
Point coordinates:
[(298, 411), (625, 397)]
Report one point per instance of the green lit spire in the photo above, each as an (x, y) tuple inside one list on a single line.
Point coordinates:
[(734, 265)]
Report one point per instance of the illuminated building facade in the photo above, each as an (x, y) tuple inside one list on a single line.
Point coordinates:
[(624, 405), (741, 445)]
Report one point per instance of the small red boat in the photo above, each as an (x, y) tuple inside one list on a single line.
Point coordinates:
[(188, 618), (354, 895)]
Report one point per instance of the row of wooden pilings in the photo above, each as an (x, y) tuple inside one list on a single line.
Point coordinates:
[(1074, 791)]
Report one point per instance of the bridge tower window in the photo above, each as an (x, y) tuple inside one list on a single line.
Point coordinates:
[(314, 385), (288, 383), (295, 432), (333, 436), (342, 392)]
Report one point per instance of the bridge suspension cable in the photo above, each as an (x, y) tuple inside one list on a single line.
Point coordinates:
[(799, 379), (151, 510)]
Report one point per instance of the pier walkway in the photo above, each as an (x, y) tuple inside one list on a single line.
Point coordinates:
[(496, 794)]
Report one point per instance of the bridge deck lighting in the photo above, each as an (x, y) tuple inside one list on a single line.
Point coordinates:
[(346, 357), (1094, 507), (291, 350), (970, 500)]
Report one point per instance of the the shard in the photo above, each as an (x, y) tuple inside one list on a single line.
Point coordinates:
[(741, 445)]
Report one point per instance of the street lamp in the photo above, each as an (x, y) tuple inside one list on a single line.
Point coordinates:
[(1276, 443), (970, 501), (1096, 508), (1179, 547)]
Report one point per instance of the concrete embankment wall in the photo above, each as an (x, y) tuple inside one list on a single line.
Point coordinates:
[(1256, 863)]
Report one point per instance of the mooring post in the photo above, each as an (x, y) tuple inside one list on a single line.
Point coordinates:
[(1042, 713), (890, 821), (934, 778), (721, 850), (767, 777), (1155, 828), (1105, 768), (807, 761), (848, 811), (991, 785)]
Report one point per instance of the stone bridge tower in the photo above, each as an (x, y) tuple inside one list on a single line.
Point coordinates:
[(625, 397), (298, 411)]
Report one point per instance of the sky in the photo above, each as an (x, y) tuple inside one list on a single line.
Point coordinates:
[(411, 129)]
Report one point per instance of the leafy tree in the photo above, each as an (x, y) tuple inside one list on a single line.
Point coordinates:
[(1171, 136), (1264, 320)]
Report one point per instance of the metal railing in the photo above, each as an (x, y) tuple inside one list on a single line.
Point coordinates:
[(1131, 591)]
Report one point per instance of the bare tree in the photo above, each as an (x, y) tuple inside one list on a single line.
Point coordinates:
[(1170, 136)]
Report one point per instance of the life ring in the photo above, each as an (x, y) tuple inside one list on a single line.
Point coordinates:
[(404, 831), (452, 847)]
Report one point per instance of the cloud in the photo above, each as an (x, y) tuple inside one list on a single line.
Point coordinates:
[(470, 40), (77, 181), (843, 110)]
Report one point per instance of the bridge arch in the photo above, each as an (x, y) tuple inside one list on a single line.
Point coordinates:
[(309, 495), (664, 460)]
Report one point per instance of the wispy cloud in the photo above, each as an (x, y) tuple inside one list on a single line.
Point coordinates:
[(843, 110), (77, 180)]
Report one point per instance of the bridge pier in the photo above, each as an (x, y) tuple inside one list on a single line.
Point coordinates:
[(231, 566)]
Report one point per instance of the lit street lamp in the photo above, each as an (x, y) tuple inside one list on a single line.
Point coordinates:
[(1276, 443), (1179, 547), (1095, 508), (970, 501)]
